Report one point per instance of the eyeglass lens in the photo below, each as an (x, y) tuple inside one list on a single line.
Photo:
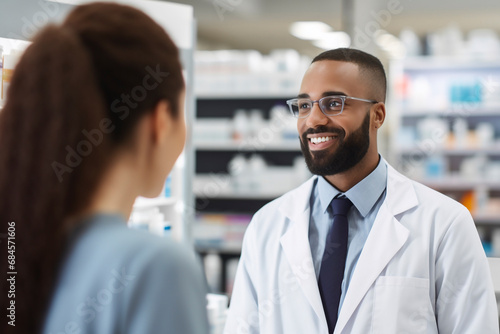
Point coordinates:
[(329, 105)]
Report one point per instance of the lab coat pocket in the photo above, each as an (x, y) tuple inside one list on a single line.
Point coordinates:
[(401, 305)]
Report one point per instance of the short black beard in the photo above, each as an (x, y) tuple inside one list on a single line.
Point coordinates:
[(348, 154)]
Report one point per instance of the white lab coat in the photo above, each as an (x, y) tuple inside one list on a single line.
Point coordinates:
[(422, 270)]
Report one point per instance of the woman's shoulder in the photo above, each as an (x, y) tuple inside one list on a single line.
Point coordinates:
[(116, 279), (110, 240)]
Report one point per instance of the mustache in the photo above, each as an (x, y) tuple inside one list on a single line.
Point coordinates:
[(320, 129)]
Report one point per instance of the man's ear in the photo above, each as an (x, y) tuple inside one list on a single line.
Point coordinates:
[(378, 115), (161, 122)]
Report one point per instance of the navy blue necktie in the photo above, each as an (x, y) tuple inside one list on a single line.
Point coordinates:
[(331, 273)]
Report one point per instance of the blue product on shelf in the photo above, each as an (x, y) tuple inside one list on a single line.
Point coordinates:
[(466, 92), (455, 95), (488, 249), (435, 167), (472, 93), (168, 186), (167, 230)]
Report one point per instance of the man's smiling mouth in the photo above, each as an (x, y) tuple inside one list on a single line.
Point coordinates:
[(317, 140)]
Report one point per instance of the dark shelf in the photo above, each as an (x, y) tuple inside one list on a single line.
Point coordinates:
[(217, 161), (225, 108)]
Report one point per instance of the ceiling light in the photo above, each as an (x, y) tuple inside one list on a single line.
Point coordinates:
[(390, 44), (333, 40), (309, 30)]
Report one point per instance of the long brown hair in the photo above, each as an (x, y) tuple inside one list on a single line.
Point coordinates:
[(75, 97)]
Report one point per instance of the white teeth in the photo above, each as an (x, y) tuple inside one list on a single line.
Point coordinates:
[(317, 140)]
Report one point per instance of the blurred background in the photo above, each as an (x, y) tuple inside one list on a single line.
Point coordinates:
[(244, 58)]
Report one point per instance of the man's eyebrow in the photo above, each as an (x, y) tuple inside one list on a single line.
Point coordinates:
[(333, 93), (329, 93)]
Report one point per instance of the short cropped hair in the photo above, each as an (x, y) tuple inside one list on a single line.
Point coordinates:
[(369, 66)]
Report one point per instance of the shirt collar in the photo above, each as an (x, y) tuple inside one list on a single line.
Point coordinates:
[(363, 195)]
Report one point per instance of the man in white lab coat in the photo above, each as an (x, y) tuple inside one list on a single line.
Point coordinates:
[(414, 260)]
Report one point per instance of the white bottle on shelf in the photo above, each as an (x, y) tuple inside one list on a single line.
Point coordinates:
[(217, 312), (256, 124), (283, 123), (231, 268), (257, 168), (485, 133), (141, 219), (157, 224), (482, 198), (433, 131), (300, 170), (460, 129), (167, 229), (241, 125), (213, 269), (238, 169)]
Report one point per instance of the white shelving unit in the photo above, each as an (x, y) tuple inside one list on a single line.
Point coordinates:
[(483, 111), (219, 195), (458, 184), (228, 81), (486, 219), (288, 145), (229, 194), (468, 151), (450, 93), (147, 203), (225, 189)]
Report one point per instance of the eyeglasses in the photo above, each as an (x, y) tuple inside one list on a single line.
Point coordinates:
[(329, 105)]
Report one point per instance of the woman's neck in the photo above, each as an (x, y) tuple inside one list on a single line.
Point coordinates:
[(117, 191)]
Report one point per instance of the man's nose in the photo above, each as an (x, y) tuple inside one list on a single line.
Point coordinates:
[(316, 117)]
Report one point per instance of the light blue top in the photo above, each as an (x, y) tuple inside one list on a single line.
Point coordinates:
[(118, 280), (367, 196)]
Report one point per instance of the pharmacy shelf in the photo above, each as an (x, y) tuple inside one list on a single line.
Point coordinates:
[(146, 203), (478, 111), (229, 193), (491, 151), (254, 95), (422, 64), (250, 146), (242, 196), (216, 191), (276, 182), (203, 246), (451, 183), (443, 83), (487, 219)]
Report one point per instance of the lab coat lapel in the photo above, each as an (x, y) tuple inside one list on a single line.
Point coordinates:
[(295, 244), (384, 241)]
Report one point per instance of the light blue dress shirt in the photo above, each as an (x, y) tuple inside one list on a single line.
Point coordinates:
[(367, 196)]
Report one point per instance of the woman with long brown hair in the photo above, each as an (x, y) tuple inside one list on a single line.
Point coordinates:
[(93, 119)]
